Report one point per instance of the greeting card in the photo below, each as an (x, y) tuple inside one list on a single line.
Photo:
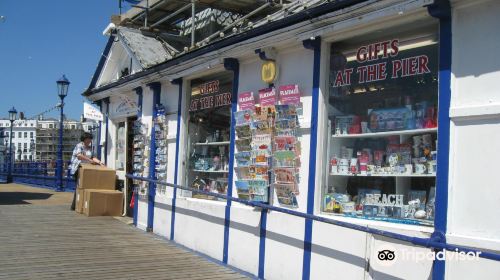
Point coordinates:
[(259, 172), (242, 188), (243, 131), (243, 117), (286, 111), (261, 142), (286, 194), (258, 190), (284, 143), (243, 144), (243, 173), (243, 158), (260, 157), (284, 159), (284, 175)]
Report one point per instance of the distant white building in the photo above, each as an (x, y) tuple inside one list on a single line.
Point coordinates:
[(38, 139), (23, 138)]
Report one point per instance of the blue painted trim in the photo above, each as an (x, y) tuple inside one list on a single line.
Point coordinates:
[(232, 40), (230, 64), (106, 100), (102, 60), (156, 88), (433, 242), (178, 82), (99, 152), (441, 9), (315, 45), (138, 91), (262, 243)]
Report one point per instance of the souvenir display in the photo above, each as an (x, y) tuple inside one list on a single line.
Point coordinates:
[(161, 132), (382, 116), (209, 133), (409, 158), (267, 145), (140, 155)]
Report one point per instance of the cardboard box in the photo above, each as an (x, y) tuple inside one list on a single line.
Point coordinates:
[(79, 200), (96, 177), (102, 203)]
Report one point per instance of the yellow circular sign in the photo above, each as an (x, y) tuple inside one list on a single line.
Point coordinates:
[(268, 71)]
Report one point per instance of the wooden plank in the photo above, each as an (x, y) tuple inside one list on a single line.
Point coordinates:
[(45, 241)]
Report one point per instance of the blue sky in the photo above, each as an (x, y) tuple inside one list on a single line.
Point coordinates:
[(40, 41)]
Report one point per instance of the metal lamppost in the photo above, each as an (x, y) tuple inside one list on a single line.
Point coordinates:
[(12, 118), (62, 91), (32, 149)]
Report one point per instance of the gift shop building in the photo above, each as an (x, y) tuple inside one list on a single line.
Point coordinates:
[(310, 139)]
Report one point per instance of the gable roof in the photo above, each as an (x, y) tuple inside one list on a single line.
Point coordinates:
[(147, 50)]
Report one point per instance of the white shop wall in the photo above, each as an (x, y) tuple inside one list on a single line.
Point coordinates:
[(199, 224), (474, 193), (163, 201), (285, 233)]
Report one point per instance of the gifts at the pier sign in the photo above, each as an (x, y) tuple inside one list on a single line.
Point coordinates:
[(380, 61), (207, 96)]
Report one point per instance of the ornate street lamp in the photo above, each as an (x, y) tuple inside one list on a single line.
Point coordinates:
[(62, 91), (32, 149), (12, 118)]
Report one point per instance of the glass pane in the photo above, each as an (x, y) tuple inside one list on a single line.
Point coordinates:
[(383, 120), (208, 133)]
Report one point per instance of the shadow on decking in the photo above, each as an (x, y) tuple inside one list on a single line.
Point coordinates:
[(13, 198)]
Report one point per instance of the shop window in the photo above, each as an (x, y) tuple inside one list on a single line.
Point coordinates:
[(120, 151), (208, 133), (382, 115)]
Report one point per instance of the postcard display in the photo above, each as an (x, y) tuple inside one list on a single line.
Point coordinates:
[(161, 132), (383, 132), (141, 156), (268, 150)]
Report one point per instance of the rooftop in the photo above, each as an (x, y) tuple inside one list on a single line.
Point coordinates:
[(164, 30)]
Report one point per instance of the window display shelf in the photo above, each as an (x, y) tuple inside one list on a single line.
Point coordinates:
[(384, 175), (213, 143), (210, 171), (423, 226), (387, 133)]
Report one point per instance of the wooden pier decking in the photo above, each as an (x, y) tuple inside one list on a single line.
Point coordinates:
[(40, 238)]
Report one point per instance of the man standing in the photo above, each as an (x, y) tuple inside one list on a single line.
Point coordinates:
[(82, 153)]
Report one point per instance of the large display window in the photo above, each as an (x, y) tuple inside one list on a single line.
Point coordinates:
[(209, 123), (382, 111)]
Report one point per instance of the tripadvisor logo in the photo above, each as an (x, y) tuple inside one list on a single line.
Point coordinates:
[(387, 255)]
